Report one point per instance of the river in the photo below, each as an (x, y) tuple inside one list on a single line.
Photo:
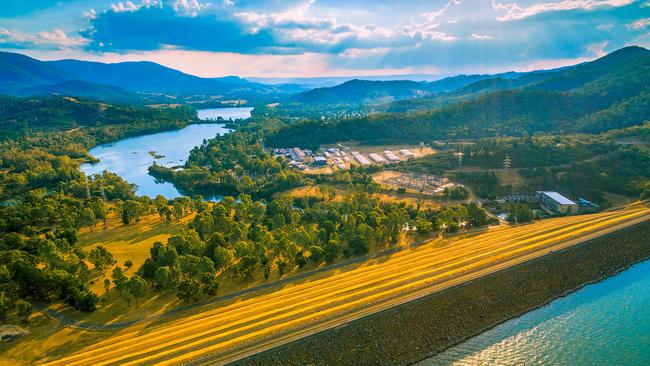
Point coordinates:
[(607, 323), (131, 157)]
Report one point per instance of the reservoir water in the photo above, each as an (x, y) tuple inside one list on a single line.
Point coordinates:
[(131, 157), (607, 323)]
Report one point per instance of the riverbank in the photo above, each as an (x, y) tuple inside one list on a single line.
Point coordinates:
[(420, 329)]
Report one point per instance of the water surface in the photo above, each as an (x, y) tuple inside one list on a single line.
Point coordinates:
[(131, 157), (607, 323), (225, 113)]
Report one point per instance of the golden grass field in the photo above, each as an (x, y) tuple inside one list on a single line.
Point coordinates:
[(263, 314), (408, 198)]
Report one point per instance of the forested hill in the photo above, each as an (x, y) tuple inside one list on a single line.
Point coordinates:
[(377, 91), (363, 91), (20, 117), (618, 98)]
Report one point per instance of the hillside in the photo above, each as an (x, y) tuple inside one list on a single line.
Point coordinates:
[(20, 117), (363, 91), (19, 71), (590, 71), (84, 89), (150, 77), (377, 92), (616, 99)]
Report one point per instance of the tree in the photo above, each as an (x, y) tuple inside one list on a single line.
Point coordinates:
[(24, 310), (128, 264), (222, 257), (178, 210), (209, 284), (189, 290), (520, 213), (107, 286), (136, 287), (130, 212), (119, 278), (101, 258), (87, 218), (316, 254), (6, 304), (163, 278)]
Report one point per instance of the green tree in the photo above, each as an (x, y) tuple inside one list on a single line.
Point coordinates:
[(24, 310), (101, 258), (189, 290)]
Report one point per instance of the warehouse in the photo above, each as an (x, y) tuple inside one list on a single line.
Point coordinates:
[(556, 203)]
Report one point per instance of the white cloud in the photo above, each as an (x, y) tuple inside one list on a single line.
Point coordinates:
[(124, 7), (481, 36), (640, 24), (516, 12), (55, 39), (598, 49), (432, 16), (89, 14)]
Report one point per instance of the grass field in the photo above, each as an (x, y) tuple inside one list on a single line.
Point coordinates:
[(411, 199), (265, 313)]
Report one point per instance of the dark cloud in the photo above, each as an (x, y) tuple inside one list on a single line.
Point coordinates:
[(152, 28)]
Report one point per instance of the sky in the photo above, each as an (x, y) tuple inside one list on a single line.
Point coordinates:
[(311, 38)]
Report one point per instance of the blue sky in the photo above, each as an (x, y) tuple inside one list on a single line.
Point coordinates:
[(326, 37)]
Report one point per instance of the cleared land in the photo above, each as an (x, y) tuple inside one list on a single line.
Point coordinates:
[(269, 317)]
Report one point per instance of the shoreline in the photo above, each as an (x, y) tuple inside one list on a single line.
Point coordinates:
[(423, 328)]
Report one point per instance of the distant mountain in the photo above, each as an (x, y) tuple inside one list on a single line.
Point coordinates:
[(19, 71), (612, 92), (23, 75), (589, 71), (377, 92), (328, 81), (85, 89), (363, 91), (150, 77)]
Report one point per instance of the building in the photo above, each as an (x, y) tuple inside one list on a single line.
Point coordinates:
[(556, 203), (360, 158), (297, 154), (377, 158), (406, 153), (391, 156), (320, 161)]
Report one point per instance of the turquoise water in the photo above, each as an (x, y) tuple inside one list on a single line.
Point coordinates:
[(130, 157), (607, 323)]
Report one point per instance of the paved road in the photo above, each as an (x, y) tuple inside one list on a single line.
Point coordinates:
[(267, 318)]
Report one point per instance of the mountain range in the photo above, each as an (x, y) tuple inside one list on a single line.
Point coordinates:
[(611, 92), (124, 81), (147, 82), (460, 87)]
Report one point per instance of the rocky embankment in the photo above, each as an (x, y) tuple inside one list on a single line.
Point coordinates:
[(422, 328)]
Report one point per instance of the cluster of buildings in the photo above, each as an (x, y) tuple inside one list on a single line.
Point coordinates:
[(552, 202), (425, 183), (340, 158)]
